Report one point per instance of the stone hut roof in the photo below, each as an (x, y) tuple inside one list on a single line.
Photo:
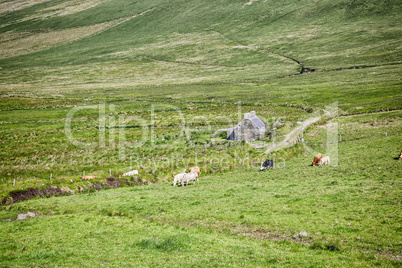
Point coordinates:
[(257, 121), (253, 118)]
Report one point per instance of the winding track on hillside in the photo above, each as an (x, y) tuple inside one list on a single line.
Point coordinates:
[(293, 137)]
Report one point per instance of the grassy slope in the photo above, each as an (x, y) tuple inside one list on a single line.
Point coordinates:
[(310, 33), (351, 214), (212, 54), (227, 50), (182, 42), (216, 42), (28, 155)]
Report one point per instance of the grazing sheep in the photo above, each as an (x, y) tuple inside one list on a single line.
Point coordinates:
[(178, 178), (195, 169), (192, 176), (268, 164), (324, 161), (317, 159), (86, 178), (131, 173)]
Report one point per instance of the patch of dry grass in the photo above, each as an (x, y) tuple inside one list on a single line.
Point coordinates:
[(11, 5), (211, 48), (123, 74), (63, 9), (71, 7), (9, 36), (17, 43)]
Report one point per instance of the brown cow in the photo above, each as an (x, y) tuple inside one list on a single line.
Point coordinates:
[(86, 178), (317, 159), (400, 155), (195, 169)]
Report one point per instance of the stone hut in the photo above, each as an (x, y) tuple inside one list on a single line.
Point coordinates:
[(250, 128)]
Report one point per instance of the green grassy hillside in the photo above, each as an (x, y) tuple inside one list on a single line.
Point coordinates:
[(204, 58), (144, 84), (293, 215), (216, 40)]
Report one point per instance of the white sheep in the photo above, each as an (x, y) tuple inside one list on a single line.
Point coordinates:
[(192, 176), (178, 178), (131, 173), (324, 161)]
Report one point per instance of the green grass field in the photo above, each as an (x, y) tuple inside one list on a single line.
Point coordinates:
[(117, 85), (351, 214)]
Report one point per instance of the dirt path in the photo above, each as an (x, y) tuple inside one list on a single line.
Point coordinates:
[(293, 137)]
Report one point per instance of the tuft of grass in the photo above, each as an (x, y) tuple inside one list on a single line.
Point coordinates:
[(170, 243), (326, 245)]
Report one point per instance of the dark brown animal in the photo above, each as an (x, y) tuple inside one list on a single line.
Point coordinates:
[(195, 169), (317, 159)]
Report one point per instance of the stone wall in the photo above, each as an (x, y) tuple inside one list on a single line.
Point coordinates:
[(246, 130)]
